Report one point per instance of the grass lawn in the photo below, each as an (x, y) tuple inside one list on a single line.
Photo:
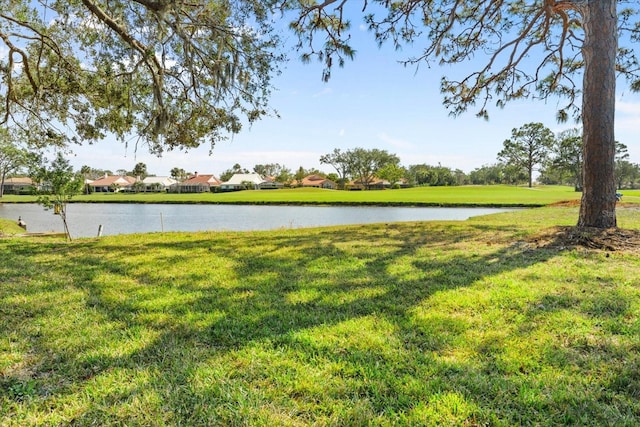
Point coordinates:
[(487, 321), (493, 195), (10, 227)]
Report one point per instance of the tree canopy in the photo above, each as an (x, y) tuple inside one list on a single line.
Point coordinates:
[(528, 147), (58, 184), (341, 162), (361, 164), (140, 170), (568, 156), (12, 156), (173, 73)]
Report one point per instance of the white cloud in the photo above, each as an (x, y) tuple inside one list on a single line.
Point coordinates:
[(323, 92), (341, 133), (628, 116), (395, 142), (628, 107)]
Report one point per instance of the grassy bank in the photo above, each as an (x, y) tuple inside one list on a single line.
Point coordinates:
[(446, 323), (493, 195), (9, 227)]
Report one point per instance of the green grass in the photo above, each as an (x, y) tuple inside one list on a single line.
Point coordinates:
[(9, 227), (495, 195), (435, 323)]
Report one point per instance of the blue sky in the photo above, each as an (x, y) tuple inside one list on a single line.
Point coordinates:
[(373, 102)]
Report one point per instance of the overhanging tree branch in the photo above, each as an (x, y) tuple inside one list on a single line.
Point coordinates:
[(148, 58), (173, 73)]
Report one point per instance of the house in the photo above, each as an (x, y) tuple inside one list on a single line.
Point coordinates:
[(242, 181), (374, 184), (401, 183), (196, 184), (270, 183), (18, 186), (158, 184), (87, 187), (317, 181), (111, 183)]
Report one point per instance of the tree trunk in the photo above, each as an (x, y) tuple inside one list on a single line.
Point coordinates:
[(598, 205), (63, 216), (2, 184)]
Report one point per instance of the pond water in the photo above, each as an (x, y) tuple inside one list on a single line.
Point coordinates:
[(85, 218)]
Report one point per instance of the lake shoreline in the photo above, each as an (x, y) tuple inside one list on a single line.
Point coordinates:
[(126, 218), (301, 203)]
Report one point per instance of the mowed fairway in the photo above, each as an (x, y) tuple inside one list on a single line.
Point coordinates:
[(489, 321), (451, 196), (492, 195)]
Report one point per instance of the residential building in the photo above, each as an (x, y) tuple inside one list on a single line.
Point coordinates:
[(270, 183), (242, 181), (112, 183), (158, 184), (18, 186), (196, 184), (316, 181), (374, 184)]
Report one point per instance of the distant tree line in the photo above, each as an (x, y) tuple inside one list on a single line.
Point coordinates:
[(557, 158), (532, 148)]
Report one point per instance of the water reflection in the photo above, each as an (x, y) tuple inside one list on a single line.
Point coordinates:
[(85, 218)]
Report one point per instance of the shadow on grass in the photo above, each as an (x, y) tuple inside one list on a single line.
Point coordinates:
[(286, 327)]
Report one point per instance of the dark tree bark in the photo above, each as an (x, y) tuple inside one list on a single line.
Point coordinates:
[(597, 208)]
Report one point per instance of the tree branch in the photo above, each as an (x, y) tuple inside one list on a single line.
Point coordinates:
[(156, 69)]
